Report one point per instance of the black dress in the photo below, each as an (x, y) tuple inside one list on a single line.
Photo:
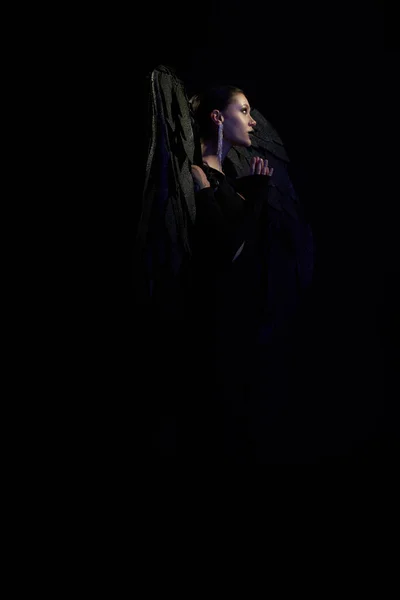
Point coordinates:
[(246, 291), (220, 282), (226, 300)]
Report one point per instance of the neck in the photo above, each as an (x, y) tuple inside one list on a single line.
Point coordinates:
[(210, 156)]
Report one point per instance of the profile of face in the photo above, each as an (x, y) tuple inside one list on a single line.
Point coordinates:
[(237, 121)]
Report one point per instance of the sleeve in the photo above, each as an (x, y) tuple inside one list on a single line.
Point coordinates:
[(254, 188), (211, 239), (224, 220)]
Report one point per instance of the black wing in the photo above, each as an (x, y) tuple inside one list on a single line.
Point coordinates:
[(168, 203)]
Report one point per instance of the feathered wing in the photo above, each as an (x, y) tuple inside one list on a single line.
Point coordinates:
[(168, 207)]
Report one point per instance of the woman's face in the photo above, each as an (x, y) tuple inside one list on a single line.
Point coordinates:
[(238, 122)]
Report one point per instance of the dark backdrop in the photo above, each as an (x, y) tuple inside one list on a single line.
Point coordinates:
[(325, 80)]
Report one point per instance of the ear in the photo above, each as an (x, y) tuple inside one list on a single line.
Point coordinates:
[(217, 117)]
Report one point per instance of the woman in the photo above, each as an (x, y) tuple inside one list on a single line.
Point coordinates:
[(219, 130), (221, 269), (226, 267)]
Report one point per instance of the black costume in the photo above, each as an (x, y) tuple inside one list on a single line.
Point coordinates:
[(224, 271)]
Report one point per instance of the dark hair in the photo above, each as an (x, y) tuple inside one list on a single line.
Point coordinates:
[(202, 105)]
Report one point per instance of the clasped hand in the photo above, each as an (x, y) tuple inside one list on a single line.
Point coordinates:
[(259, 166)]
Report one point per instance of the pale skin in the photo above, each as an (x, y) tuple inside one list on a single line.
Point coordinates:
[(237, 123)]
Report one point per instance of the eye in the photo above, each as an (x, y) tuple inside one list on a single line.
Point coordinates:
[(244, 110)]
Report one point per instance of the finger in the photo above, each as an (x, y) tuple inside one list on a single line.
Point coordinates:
[(253, 165), (265, 168), (271, 171)]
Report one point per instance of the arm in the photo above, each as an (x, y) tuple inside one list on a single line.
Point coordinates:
[(218, 221), (223, 220)]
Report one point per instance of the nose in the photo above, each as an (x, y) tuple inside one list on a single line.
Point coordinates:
[(252, 122)]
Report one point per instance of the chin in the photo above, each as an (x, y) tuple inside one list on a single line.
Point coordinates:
[(242, 143)]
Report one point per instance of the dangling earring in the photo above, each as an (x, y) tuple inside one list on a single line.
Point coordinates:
[(220, 138)]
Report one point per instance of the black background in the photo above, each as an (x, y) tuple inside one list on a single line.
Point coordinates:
[(326, 80)]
